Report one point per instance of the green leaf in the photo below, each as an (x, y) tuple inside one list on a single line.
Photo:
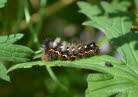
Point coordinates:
[(133, 93), (100, 60), (94, 63), (117, 78), (116, 23), (121, 6), (99, 77), (116, 26), (2, 3), (15, 53), (3, 73), (10, 39), (110, 87)]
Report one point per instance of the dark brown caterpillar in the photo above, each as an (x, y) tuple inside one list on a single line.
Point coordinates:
[(54, 49)]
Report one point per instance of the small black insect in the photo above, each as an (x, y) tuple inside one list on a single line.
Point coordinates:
[(108, 64)]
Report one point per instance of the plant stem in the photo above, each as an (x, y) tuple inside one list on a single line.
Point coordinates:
[(53, 76), (103, 41)]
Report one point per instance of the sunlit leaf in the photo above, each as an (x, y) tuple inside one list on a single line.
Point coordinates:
[(116, 26), (106, 88), (116, 23)]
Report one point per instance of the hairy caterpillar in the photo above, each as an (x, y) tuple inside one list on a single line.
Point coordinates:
[(57, 49)]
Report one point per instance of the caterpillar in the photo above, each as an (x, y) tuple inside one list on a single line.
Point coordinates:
[(53, 50)]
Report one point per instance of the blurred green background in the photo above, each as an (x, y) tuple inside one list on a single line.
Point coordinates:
[(37, 20)]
